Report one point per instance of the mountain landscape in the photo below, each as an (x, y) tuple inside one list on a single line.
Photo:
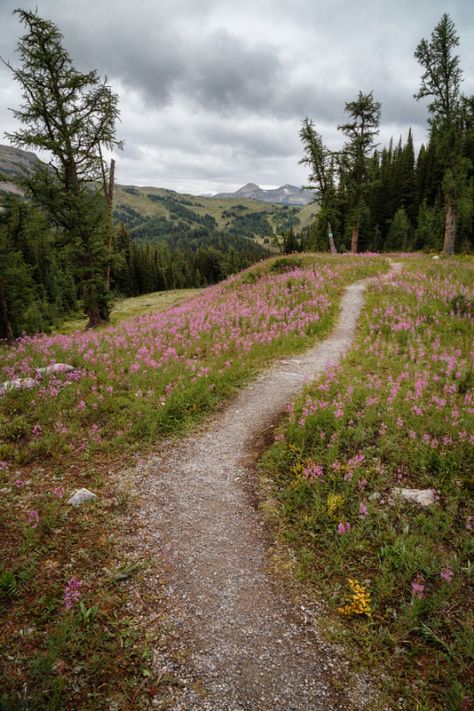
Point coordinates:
[(215, 408), (157, 214), (284, 195)]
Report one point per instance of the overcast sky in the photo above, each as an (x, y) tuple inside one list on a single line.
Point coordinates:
[(212, 92)]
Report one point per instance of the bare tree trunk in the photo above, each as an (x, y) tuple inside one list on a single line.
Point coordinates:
[(449, 227), (4, 314), (109, 196), (355, 237), (95, 318), (332, 246)]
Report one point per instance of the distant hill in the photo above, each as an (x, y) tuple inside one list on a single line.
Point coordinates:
[(285, 195), (15, 163), (151, 213), (158, 214)]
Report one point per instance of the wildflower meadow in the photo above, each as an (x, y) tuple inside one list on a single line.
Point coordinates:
[(395, 414), (69, 635)]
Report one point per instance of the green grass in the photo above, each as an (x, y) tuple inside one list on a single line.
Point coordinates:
[(135, 306), (396, 412), (54, 658)]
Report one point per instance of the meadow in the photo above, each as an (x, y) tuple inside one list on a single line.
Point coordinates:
[(395, 576), (67, 635)]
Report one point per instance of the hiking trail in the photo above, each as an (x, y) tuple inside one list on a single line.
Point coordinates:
[(249, 645)]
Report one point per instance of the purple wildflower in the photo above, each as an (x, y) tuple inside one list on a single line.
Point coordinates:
[(72, 593), (33, 518)]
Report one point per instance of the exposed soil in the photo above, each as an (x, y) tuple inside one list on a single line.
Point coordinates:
[(248, 645)]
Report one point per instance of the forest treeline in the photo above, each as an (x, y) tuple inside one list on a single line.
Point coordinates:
[(63, 244), (372, 199), (37, 277), (403, 206)]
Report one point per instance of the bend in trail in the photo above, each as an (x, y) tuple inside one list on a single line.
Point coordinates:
[(248, 644)]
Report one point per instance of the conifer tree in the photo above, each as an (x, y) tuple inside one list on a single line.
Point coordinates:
[(72, 115), (441, 82), (360, 130), (321, 162)]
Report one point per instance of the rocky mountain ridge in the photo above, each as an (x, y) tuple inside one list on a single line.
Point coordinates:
[(284, 195)]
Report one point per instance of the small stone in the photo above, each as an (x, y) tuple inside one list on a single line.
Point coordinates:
[(55, 368), (436, 256), (18, 384), (422, 497), (81, 496)]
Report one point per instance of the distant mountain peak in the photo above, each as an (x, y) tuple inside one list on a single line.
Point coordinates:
[(285, 195)]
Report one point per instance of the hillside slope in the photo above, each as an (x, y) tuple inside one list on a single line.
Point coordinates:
[(153, 214)]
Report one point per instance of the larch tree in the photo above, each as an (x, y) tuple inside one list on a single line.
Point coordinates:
[(360, 130), (441, 82), (321, 162), (72, 115)]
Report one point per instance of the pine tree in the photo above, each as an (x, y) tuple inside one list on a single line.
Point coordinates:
[(361, 129), (72, 115), (321, 161), (441, 81)]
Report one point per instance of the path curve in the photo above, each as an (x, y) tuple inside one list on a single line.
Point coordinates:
[(249, 645)]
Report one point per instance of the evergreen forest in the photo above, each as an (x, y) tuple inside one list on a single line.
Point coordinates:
[(64, 244)]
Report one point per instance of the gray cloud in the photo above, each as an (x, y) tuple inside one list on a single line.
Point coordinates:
[(212, 93)]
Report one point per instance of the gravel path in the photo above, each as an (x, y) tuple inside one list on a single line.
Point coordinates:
[(249, 645)]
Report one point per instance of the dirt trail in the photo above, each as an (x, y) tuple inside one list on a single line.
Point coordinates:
[(249, 645)]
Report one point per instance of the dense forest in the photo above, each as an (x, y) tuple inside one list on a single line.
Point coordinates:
[(63, 243), (404, 204), (37, 281)]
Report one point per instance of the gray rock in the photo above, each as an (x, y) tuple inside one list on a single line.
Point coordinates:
[(18, 384), (55, 368), (81, 496), (422, 497), (27, 383)]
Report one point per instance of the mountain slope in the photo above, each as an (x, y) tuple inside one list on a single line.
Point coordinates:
[(284, 195), (153, 214)]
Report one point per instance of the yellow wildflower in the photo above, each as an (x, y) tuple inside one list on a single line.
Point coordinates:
[(334, 503), (360, 603)]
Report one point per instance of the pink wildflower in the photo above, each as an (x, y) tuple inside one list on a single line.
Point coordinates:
[(418, 587), (446, 575), (72, 592), (33, 518), (362, 510), (313, 471), (58, 492), (469, 522), (343, 528), (36, 431)]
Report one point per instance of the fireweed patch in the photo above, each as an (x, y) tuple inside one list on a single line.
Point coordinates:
[(397, 412), (133, 382), (151, 374)]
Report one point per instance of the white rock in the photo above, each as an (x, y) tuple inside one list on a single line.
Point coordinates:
[(422, 497), (27, 383), (436, 256), (18, 384), (55, 368), (81, 496)]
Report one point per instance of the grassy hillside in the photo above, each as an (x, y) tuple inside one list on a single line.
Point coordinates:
[(68, 638), (396, 414), (148, 209)]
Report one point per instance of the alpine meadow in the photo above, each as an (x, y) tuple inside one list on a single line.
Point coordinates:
[(236, 445)]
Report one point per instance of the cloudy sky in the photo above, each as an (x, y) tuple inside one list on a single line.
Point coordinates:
[(212, 92)]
